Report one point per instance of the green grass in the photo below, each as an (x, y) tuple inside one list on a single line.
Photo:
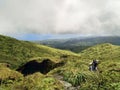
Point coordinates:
[(75, 71), (106, 78), (17, 52), (8, 76), (38, 81)]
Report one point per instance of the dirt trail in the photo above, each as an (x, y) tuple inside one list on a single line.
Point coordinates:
[(67, 85)]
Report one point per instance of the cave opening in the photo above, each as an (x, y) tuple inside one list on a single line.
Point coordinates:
[(43, 67)]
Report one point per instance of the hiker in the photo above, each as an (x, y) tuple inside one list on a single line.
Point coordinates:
[(93, 65)]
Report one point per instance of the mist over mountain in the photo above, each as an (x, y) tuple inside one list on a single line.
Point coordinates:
[(84, 17), (81, 43), (59, 44)]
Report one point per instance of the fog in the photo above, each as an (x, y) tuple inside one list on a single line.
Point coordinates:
[(84, 17)]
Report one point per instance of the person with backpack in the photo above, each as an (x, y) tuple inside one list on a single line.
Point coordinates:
[(93, 65)]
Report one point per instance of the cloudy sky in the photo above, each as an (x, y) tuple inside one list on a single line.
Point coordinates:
[(28, 18)]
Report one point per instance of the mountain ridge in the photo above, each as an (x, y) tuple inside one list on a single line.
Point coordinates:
[(34, 67), (79, 44)]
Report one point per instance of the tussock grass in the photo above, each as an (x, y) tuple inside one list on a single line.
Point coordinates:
[(17, 53), (75, 71)]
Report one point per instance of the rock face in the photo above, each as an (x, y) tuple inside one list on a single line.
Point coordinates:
[(44, 67)]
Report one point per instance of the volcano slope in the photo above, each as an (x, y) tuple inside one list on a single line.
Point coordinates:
[(107, 77), (16, 52), (74, 69)]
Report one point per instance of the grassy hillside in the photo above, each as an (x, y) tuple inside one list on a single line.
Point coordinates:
[(102, 51), (17, 52), (73, 74), (106, 78), (79, 44)]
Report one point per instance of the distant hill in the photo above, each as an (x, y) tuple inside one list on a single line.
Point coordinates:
[(17, 52), (79, 44), (105, 51), (39, 67)]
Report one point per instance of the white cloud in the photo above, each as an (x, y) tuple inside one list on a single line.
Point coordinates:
[(95, 17)]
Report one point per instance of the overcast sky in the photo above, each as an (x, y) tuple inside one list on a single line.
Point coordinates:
[(83, 17)]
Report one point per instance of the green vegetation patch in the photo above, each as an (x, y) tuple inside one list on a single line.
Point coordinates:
[(38, 81)]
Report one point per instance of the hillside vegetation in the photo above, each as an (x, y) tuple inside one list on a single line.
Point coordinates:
[(81, 43), (15, 52), (71, 72), (108, 75)]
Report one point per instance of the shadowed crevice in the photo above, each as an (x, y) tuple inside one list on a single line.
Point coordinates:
[(44, 67)]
